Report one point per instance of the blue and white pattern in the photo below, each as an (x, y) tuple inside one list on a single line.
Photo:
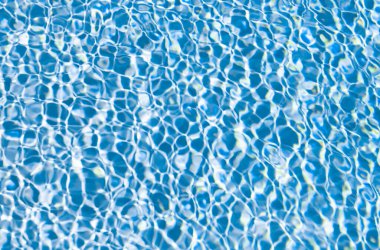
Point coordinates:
[(189, 124)]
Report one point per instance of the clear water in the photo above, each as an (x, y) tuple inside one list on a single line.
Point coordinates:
[(193, 124)]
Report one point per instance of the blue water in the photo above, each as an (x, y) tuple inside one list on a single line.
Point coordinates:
[(193, 124)]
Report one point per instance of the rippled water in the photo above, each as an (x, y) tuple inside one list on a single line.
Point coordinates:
[(193, 124)]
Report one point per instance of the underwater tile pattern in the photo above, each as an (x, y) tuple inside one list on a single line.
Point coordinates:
[(192, 124)]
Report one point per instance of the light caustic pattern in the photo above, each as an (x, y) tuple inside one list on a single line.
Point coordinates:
[(198, 124)]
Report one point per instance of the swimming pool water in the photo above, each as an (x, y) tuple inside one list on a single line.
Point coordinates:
[(193, 124)]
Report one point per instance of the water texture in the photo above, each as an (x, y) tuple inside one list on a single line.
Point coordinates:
[(193, 124)]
